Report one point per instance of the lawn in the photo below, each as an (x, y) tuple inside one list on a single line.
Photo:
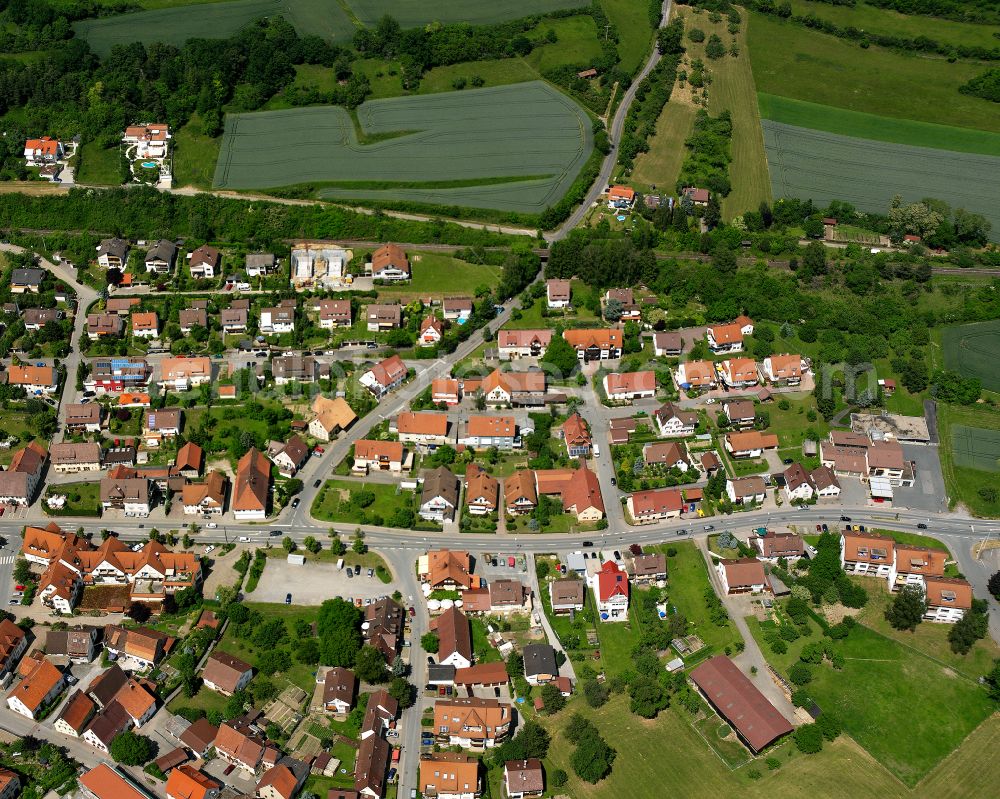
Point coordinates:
[(206, 699), (98, 165), (965, 483), (82, 499), (792, 61), (825, 166), (972, 351), (874, 126), (459, 148), (485, 653), (439, 275), (907, 710), (195, 155), (577, 43), (791, 425), (634, 31), (662, 164), (973, 770), (332, 504)]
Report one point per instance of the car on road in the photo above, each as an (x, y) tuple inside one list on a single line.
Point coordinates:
[(921, 526), (682, 531), (212, 525), (588, 543), (709, 526), (295, 502), (413, 611), (317, 483), (614, 482), (244, 539), (845, 518), (288, 599), (275, 532)]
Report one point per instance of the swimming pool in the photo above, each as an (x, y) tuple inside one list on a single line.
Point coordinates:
[(148, 164)]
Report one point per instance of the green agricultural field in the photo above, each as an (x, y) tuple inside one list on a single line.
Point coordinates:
[(972, 350), (880, 128), (512, 148), (417, 13), (975, 448), (792, 61), (823, 166), (974, 487)]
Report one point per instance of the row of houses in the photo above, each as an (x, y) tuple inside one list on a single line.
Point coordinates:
[(498, 389), (778, 370), (590, 344)]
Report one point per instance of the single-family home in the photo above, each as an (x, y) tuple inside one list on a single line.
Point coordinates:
[(136, 701), (113, 253), (471, 722), (20, 482), (110, 722), (294, 369), (37, 318), (131, 495), (566, 595), (697, 197), (576, 433), (742, 414), (260, 264), (557, 293), (163, 424), (746, 490), (724, 338), (190, 318), (578, 488), (204, 262), (646, 569), (26, 280), (483, 432), (655, 505), (384, 376), (381, 317), (160, 257), (291, 456), (739, 372), (519, 493), (382, 710), (783, 369), (151, 140), (239, 746), (33, 379), (76, 715), (449, 775), (668, 344), (621, 198), (482, 492), (445, 390), (13, 642), (673, 421), (36, 690), (44, 150), (439, 495), (523, 779), (380, 456), (226, 674), (69, 458), (186, 782), (539, 664), (624, 299), (277, 320), (668, 454), (370, 767), (798, 486), (180, 374), (773, 546), (339, 688), (825, 482), (104, 325), (456, 309), (522, 343), (383, 625), (426, 431), (696, 374), (331, 416), (207, 498), (334, 313), (252, 488), (431, 330), (611, 592), (455, 638), (389, 262), (597, 344), (749, 443), (199, 737), (233, 320), (742, 576), (630, 386)]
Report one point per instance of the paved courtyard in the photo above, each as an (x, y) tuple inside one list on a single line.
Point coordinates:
[(313, 583)]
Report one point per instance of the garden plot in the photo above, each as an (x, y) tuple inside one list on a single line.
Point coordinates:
[(513, 147), (824, 166)]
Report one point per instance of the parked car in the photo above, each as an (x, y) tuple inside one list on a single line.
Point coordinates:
[(371, 572), (288, 599), (357, 570), (413, 611), (209, 550), (826, 529), (392, 772), (788, 461), (295, 502), (614, 482), (349, 572)]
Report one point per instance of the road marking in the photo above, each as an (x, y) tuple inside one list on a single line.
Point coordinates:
[(5, 559)]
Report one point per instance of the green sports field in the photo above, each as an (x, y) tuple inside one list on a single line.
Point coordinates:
[(513, 148), (973, 350), (976, 448), (821, 166)]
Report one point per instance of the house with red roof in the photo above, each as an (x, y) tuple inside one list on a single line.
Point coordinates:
[(611, 592)]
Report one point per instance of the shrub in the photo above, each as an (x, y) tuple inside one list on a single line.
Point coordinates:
[(772, 763), (800, 673), (829, 725), (808, 739)]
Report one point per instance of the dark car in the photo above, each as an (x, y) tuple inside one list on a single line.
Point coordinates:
[(288, 599), (350, 572), (788, 461), (275, 532), (826, 529), (430, 660), (357, 570), (921, 526), (413, 611), (317, 484), (588, 543), (845, 518), (614, 482), (295, 502)]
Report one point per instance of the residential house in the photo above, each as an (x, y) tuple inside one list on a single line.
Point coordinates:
[(110, 722), (739, 372), (522, 343), (611, 592), (389, 262), (724, 338), (697, 197), (449, 775), (239, 746), (105, 782), (647, 569), (204, 262), (370, 767), (200, 737), (113, 253), (455, 637), (914, 564), (121, 305), (621, 198), (696, 374), (729, 691), (37, 318), (382, 456), (668, 344), (871, 554), (317, 266), (26, 280), (226, 674), (384, 376), (104, 325), (783, 369), (450, 570), (742, 414), (260, 264), (76, 715), (456, 309), (180, 374), (36, 690), (186, 782), (948, 599), (190, 459), (669, 454), (749, 444), (381, 711), (798, 487), (445, 390), (20, 482), (46, 150), (576, 433), (190, 318), (773, 546), (625, 300), (294, 369), (150, 140), (519, 493), (13, 643), (252, 488), (33, 379), (746, 490), (136, 647), (118, 374), (579, 490), (483, 432), (482, 492), (630, 386), (557, 293), (233, 320), (499, 597), (106, 685), (59, 587), (283, 780), (825, 482), (566, 596), (334, 313), (207, 498), (471, 722), (742, 575), (160, 257), (291, 457), (277, 320), (137, 702), (68, 458), (331, 416), (426, 431), (339, 688), (439, 495), (672, 421), (540, 664), (745, 324), (523, 779), (162, 424), (431, 330), (514, 388), (597, 344), (383, 627), (381, 317), (77, 644)]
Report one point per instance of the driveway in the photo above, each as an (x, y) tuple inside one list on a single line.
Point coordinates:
[(313, 583)]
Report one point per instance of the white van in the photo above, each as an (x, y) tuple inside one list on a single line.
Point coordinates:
[(340, 563), (597, 450)]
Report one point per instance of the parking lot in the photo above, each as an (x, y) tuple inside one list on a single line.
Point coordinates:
[(313, 583), (928, 491)]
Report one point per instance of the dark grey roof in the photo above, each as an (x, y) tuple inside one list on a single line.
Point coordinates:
[(116, 247), (540, 659), (440, 673), (27, 277), (162, 250)]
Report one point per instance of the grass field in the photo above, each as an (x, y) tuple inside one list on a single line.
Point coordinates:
[(880, 128), (417, 13), (631, 18), (195, 155), (512, 148), (792, 61), (437, 275), (975, 448), (973, 350), (821, 166), (964, 483), (907, 710), (98, 165), (332, 503), (577, 43), (662, 164)]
